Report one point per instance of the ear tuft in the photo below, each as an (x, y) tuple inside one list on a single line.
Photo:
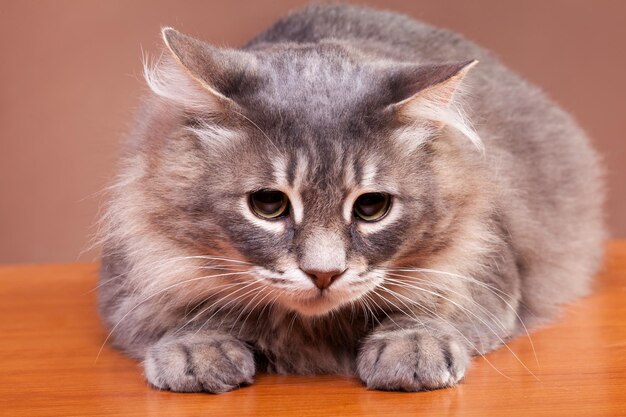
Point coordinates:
[(444, 91), (168, 80), (436, 101), (194, 74)]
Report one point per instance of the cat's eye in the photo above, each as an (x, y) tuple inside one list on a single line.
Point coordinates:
[(372, 206), (269, 204)]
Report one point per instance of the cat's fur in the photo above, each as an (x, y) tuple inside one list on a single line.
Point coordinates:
[(491, 226)]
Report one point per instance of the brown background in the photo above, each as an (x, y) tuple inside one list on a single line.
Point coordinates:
[(70, 76)]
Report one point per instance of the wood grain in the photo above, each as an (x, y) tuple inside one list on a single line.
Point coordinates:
[(50, 336)]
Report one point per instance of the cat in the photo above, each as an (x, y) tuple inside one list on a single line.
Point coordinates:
[(352, 192)]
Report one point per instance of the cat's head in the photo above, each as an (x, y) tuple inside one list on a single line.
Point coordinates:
[(316, 165)]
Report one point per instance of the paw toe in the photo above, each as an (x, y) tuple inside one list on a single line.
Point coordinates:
[(411, 361), (192, 365)]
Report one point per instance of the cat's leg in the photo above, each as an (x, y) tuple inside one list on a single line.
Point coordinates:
[(425, 353), (412, 357), (206, 361), (413, 352)]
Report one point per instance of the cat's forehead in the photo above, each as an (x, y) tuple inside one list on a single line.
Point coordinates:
[(328, 172), (322, 76), (320, 103), (315, 103)]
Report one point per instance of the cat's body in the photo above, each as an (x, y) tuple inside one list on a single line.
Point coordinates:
[(327, 100)]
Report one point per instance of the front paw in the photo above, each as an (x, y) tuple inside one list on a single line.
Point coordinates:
[(411, 360), (199, 362)]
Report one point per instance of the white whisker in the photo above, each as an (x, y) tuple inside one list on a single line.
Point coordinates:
[(462, 308), (230, 302), (154, 295), (494, 290), (251, 310), (453, 326)]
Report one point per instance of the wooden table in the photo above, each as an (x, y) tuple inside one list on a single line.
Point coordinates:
[(50, 337)]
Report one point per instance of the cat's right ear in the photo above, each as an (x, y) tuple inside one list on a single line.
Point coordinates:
[(195, 75)]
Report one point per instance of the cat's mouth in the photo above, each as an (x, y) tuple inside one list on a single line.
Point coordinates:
[(313, 301), (320, 303)]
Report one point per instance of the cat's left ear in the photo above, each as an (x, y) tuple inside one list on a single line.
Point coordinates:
[(428, 96)]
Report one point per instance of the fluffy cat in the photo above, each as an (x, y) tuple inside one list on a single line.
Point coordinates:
[(350, 192)]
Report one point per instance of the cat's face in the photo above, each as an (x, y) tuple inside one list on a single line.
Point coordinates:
[(302, 164)]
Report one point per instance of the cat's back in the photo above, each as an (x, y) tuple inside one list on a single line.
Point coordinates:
[(384, 33)]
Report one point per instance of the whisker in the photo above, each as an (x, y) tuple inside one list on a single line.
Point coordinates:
[(271, 304), (408, 285), (267, 295), (163, 262), (292, 322), (450, 324), (248, 304), (208, 308), (371, 311), (230, 302), (411, 286), (208, 297), (462, 308), (402, 311), (451, 274), (154, 295), (382, 309), (494, 291)]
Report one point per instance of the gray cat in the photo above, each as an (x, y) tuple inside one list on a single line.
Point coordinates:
[(350, 192)]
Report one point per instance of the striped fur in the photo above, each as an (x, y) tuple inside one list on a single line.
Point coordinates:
[(495, 218)]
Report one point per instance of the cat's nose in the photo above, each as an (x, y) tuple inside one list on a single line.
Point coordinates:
[(323, 279)]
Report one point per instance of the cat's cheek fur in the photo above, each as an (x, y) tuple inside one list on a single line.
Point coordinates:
[(411, 359), (199, 362)]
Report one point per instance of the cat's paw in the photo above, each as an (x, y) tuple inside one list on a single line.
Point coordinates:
[(199, 362), (411, 360)]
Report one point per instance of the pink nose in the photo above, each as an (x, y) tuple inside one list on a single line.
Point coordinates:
[(323, 279)]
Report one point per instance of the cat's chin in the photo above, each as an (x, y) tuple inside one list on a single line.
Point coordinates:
[(320, 304)]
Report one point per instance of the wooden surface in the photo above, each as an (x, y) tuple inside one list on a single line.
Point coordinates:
[(50, 336)]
